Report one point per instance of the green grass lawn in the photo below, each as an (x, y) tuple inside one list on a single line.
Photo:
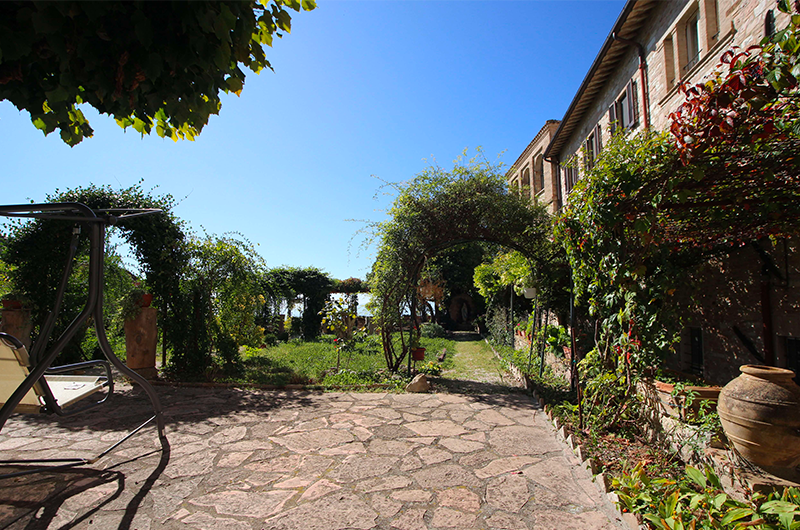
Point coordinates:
[(475, 360), (314, 362)]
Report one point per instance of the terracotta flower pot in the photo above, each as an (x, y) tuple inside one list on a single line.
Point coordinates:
[(760, 413), (418, 354), (669, 403), (12, 304), (709, 394), (147, 299)]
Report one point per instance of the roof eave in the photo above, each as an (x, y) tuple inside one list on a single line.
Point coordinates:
[(623, 16)]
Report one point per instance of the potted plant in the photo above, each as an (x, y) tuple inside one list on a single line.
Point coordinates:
[(141, 332), (16, 319), (682, 394), (417, 351), (530, 292), (15, 300), (132, 303)]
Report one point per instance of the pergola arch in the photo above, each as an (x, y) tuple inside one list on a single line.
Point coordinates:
[(438, 210), (38, 249)]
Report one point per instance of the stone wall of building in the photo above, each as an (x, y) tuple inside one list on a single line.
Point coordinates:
[(531, 175), (722, 24), (683, 41), (737, 23), (730, 299), (734, 300)]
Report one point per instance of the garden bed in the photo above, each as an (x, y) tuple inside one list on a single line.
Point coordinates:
[(616, 453)]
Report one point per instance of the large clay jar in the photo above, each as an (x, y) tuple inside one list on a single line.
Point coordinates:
[(760, 412)]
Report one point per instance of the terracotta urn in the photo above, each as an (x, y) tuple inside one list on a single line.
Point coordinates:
[(760, 412), (418, 354)]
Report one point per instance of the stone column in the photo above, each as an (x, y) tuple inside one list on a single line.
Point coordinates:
[(141, 338), (17, 322)]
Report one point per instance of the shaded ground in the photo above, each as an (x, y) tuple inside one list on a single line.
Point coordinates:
[(242, 459), (477, 370)]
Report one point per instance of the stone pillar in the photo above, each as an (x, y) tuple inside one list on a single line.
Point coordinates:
[(141, 338), (17, 322)]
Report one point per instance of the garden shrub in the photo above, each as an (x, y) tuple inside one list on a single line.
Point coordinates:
[(430, 368), (497, 324), (697, 500), (431, 330), (35, 254)]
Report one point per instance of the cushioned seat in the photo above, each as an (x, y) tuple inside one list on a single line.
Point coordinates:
[(66, 390)]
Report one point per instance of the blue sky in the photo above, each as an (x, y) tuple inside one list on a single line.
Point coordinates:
[(360, 88)]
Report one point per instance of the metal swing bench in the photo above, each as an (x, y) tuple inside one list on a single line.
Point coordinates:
[(29, 383)]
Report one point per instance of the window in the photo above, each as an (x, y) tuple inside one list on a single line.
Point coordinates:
[(593, 146), (623, 113), (694, 34), (538, 174), (696, 349), (570, 175), (525, 188), (793, 356), (590, 153), (692, 40)]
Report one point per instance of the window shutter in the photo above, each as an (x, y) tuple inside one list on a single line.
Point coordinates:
[(598, 140), (633, 108), (612, 117)]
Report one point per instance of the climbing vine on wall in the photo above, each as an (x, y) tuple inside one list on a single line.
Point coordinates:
[(654, 206)]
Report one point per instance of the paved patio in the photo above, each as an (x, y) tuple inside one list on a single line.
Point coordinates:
[(241, 460)]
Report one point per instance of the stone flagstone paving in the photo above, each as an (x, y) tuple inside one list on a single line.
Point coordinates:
[(242, 460)]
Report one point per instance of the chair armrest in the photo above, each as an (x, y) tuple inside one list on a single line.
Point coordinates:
[(80, 366), (49, 399)]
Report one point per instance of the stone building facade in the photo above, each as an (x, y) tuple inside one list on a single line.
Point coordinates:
[(746, 310), (750, 306), (532, 176), (633, 82)]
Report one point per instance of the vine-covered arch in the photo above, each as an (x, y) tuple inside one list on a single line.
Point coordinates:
[(439, 209), (38, 249)]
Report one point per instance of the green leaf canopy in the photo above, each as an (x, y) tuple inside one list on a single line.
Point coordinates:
[(147, 64)]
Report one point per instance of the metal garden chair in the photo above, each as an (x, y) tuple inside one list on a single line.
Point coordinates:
[(29, 383)]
